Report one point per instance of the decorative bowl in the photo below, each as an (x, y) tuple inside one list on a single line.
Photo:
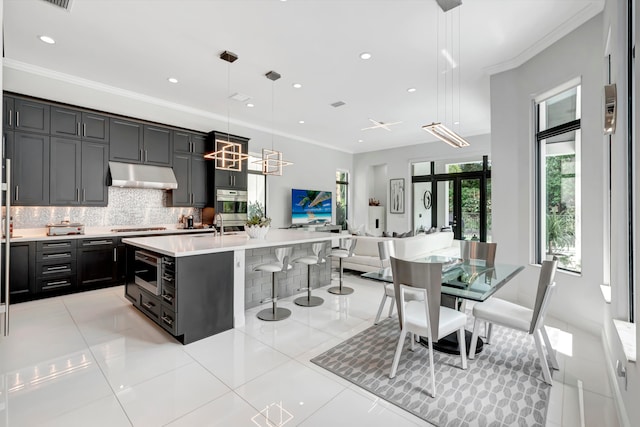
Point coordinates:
[(256, 231)]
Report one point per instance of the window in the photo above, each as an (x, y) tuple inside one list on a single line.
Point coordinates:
[(558, 210), (342, 202), (256, 185)]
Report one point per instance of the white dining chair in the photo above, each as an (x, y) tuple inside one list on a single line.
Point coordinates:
[(505, 313), (426, 318)]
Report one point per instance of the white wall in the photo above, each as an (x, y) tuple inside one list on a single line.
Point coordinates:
[(579, 54), (398, 165), (314, 166)]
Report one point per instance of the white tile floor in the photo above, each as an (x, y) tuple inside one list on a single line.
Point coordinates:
[(92, 359)]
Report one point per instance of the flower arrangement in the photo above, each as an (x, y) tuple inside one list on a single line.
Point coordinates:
[(258, 223), (374, 202)]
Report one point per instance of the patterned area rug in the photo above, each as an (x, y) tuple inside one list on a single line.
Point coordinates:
[(502, 386)]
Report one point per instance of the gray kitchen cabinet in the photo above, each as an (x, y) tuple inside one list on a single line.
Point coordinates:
[(195, 302), (31, 116), (157, 146), (22, 285), (8, 110), (78, 173), (97, 262), (191, 174), (65, 178), (125, 143), (226, 178), (187, 142), (74, 123), (55, 267), (30, 169), (95, 127)]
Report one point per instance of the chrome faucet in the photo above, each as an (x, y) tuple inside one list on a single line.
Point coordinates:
[(220, 224)]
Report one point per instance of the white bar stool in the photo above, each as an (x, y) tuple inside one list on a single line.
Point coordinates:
[(347, 246), (281, 265), (315, 259)]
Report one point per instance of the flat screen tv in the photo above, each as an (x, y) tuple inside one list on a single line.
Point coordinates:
[(310, 207)]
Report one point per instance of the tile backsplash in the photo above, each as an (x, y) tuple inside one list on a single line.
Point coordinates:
[(127, 206)]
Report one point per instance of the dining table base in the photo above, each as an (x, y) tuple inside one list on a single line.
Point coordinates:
[(449, 344)]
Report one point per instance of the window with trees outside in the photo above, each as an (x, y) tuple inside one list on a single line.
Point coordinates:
[(342, 203), (558, 179), (256, 185)]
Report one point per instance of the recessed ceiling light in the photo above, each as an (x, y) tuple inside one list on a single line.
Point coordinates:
[(360, 140), (411, 89), (365, 55), (297, 85), (456, 123), (46, 39), (301, 122), (250, 105), (172, 80)]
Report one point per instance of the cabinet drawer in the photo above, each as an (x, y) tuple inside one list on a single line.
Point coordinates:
[(56, 256), (168, 320), (98, 242), (55, 245), (55, 269), (150, 305), (169, 296), (57, 284)]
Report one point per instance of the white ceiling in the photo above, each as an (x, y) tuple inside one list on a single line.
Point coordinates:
[(137, 44)]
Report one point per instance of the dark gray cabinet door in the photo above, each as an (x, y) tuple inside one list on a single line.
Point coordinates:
[(97, 262), (31, 116), (65, 122), (30, 169), (181, 168), (198, 181), (198, 144), (181, 141), (22, 285), (95, 127), (125, 141), (8, 111), (94, 165), (65, 177), (157, 146)]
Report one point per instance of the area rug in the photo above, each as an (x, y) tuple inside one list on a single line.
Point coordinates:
[(502, 386)]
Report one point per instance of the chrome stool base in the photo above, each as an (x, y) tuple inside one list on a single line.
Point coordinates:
[(270, 314), (308, 301), (340, 290)]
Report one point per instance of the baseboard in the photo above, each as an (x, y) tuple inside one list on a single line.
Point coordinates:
[(621, 410)]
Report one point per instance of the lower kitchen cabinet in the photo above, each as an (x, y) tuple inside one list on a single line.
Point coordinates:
[(195, 298), (97, 262), (55, 267), (22, 283)]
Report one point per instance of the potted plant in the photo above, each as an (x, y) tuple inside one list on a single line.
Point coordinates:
[(258, 223)]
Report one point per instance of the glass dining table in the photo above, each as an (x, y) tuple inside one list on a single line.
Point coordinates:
[(472, 280)]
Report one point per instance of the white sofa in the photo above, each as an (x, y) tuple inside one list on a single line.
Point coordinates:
[(366, 258)]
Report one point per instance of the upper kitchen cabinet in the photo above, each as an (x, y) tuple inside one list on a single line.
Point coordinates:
[(30, 169), (225, 178), (126, 141), (187, 142), (29, 116), (157, 146), (8, 111), (72, 123), (133, 142)]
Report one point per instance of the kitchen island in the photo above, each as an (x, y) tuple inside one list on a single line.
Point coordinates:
[(202, 284)]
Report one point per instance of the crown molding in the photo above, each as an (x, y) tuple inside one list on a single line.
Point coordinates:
[(124, 93), (556, 34)]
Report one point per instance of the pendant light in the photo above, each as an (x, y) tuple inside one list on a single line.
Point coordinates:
[(227, 154), (272, 161), (452, 71)]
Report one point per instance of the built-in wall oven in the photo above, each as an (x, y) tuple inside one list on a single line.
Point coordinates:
[(151, 269), (232, 206)]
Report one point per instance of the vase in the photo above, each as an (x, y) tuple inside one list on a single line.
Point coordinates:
[(256, 231)]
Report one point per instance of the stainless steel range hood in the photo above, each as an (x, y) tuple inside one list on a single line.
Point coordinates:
[(142, 176)]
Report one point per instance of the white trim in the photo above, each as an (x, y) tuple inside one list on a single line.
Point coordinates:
[(563, 87), (101, 87), (556, 34), (621, 410)]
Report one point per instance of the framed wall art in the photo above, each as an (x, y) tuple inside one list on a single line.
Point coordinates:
[(396, 196)]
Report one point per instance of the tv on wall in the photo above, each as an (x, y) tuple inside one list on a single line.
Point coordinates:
[(310, 207)]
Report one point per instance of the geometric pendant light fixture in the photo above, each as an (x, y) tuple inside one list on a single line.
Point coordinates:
[(227, 154), (449, 73), (272, 161)]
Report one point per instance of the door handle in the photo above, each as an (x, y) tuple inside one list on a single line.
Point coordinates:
[(84, 129), (78, 194), (145, 156), (115, 254), (78, 129), (17, 192), (141, 156), (10, 116), (17, 119), (84, 194)]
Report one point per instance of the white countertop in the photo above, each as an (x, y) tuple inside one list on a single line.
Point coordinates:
[(35, 234), (186, 245)]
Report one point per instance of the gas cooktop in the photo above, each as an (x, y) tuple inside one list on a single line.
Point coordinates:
[(124, 230)]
